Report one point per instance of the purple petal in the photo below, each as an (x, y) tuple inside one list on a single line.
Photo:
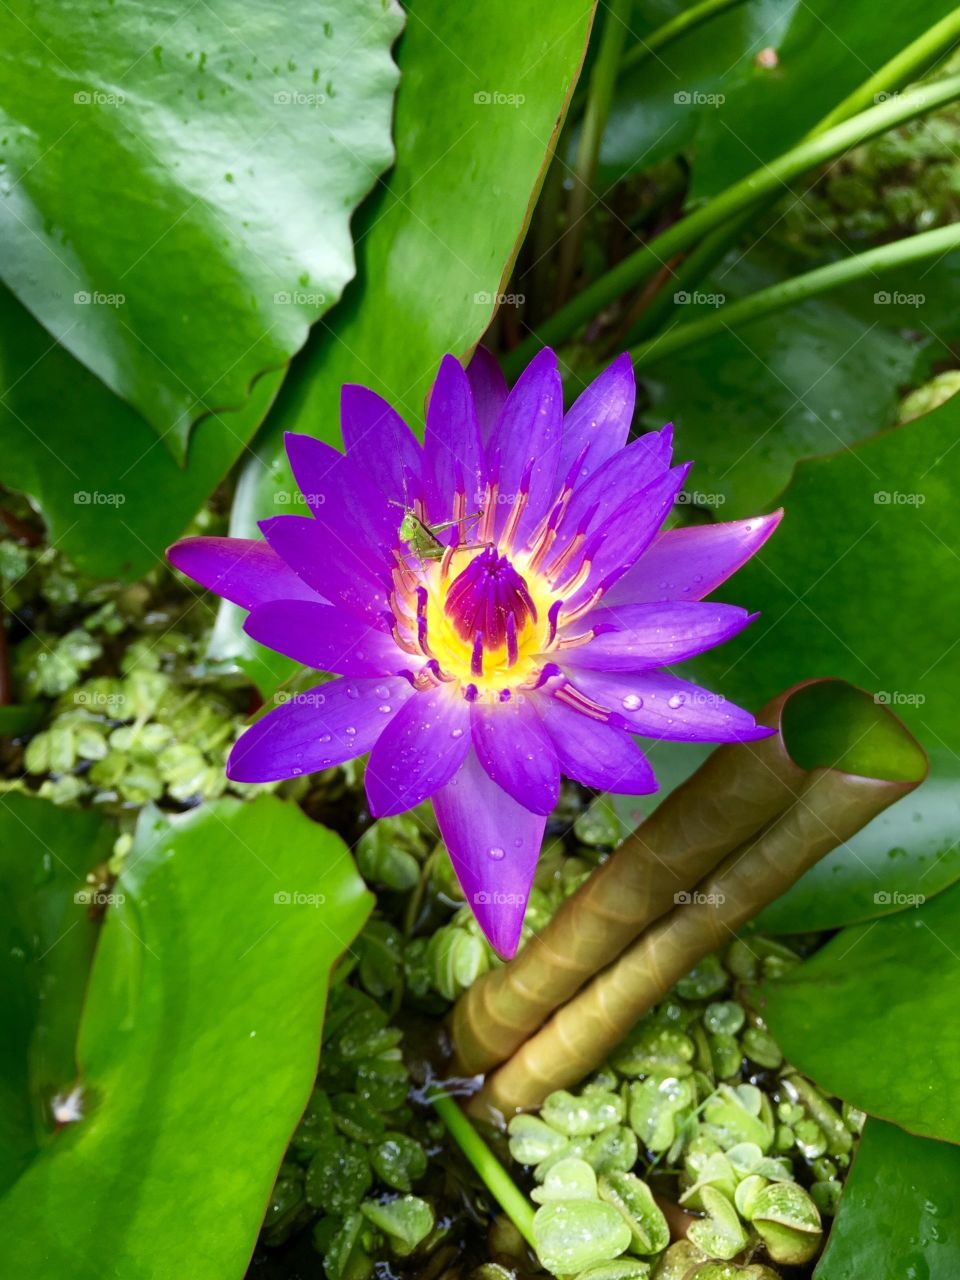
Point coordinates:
[(616, 481), (660, 706), (419, 751), (596, 754), (243, 570), (494, 844), (635, 636), (378, 439), (316, 729), (327, 638), (692, 562), (622, 539), (344, 501), (515, 749), (599, 421), (525, 447), (453, 453), (489, 390), (338, 569)]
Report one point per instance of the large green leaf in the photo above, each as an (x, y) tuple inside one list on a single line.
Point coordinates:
[(825, 52), (112, 495), (749, 404), (872, 1017), (178, 183), (662, 101), (862, 581), (46, 945), (476, 117), (197, 1049), (899, 1216)]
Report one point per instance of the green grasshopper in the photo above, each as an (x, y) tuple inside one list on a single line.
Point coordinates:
[(422, 538)]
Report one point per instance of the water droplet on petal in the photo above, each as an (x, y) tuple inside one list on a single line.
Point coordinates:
[(385, 708), (632, 702), (352, 691), (382, 691), (676, 700), (496, 853), (350, 730), (456, 733)]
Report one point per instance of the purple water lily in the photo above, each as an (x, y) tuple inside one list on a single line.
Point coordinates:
[(498, 603)]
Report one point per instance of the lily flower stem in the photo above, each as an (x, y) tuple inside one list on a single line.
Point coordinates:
[(495, 1177), (742, 195), (679, 337), (599, 97), (905, 66)]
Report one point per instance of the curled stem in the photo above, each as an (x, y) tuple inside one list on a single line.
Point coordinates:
[(495, 1177), (734, 793), (879, 762), (785, 293), (742, 195)]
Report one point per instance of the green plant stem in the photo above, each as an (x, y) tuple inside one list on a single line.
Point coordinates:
[(900, 70), (785, 293), (495, 1177), (603, 80), (672, 30), (808, 154), (917, 57)]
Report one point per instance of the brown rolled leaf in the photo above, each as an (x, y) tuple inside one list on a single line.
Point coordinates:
[(831, 806), (734, 793)]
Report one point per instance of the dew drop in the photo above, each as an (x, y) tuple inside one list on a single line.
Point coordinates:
[(325, 737), (385, 708), (676, 700), (496, 853), (352, 691), (382, 691), (350, 730), (456, 733), (632, 702)]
